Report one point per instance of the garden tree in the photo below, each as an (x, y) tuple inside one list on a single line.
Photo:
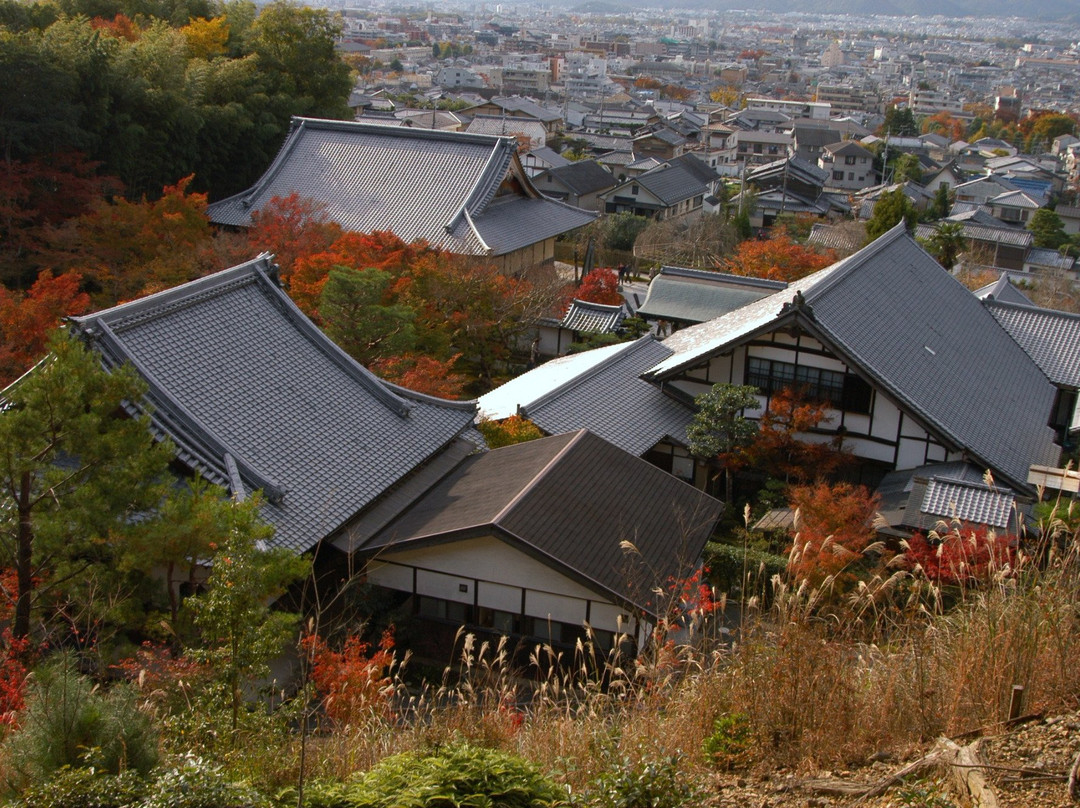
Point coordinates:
[(240, 630), (940, 205), (354, 314), (206, 38), (296, 45), (833, 528), (508, 431), (701, 242), (1040, 128), (618, 231), (777, 449), (726, 94), (600, 286), (906, 167), (942, 123), (720, 431), (73, 472), (128, 249), (778, 258), (900, 122), (946, 243), (891, 208), (424, 374), (962, 555), (27, 320), (1047, 229), (295, 227)]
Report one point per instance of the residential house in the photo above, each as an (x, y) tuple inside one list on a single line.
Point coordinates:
[(990, 242), (579, 183), (583, 318), (529, 133), (518, 107), (674, 189), (536, 161), (850, 166), (756, 148), (809, 141), (463, 193)]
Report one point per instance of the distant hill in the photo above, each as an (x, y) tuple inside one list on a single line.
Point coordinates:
[(1033, 9)]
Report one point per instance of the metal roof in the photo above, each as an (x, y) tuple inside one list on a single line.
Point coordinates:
[(694, 296), (256, 397), (600, 390), (569, 500), (416, 183), (939, 354)]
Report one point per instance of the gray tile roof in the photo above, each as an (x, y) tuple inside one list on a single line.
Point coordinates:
[(418, 184), (1003, 291), (507, 126), (671, 183), (1009, 236), (1051, 338), (593, 318), (695, 295), (939, 354), (1052, 259), (256, 397), (945, 500), (584, 177), (606, 396), (568, 500)]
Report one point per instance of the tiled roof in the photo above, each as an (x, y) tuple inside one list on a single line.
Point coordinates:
[(940, 355), (418, 184), (943, 500), (570, 500), (1009, 236), (599, 390), (694, 295), (506, 126), (593, 318), (584, 177), (1051, 338), (835, 237), (256, 397), (1003, 291), (671, 183), (1051, 259)]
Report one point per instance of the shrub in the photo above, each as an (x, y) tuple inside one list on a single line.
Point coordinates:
[(462, 775), (729, 744), (68, 721), (645, 784), (85, 788), (194, 783)]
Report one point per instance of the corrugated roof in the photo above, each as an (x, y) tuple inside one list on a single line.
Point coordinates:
[(418, 184), (246, 386), (940, 354), (694, 296), (592, 318), (1051, 338), (570, 500)]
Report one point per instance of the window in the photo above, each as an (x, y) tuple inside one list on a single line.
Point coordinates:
[(838, 175), (849, 160), (843, 390), (851, 175), (633, 189)]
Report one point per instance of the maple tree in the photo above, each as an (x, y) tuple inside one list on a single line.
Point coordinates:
[(507, 431), (963, 554), (833, 527), (354, 682), (777, 449), (600, 286), (422, 374), (778, 258), (27, 320)]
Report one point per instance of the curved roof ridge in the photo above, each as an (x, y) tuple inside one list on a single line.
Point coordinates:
[(491, 176), (716, 275)]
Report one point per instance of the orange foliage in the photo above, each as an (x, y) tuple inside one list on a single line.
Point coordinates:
[(944, 124), (778, 259), (26, 320), (120, 26), (353, 682), (778, 451), (292, 227), (600, 286), (833, 529), (514, 429), (422, 374)]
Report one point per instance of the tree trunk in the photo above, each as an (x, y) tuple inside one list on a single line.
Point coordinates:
[(24, 560)]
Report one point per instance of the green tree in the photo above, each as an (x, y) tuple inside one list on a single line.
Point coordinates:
[(1047, 229), (940, 205), (907, 167), (73, 471), (354, 315), (900, 122), (296, 44), (719, 429), (947, 243), (891, 208), (241, 631)]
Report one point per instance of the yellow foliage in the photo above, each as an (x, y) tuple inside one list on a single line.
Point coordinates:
[(206, 38)]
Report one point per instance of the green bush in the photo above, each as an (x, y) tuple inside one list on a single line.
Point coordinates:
[(194, 783), (646, 784), (456, 776), (85, 788), (728, 746), (726, 563), (69, 721)]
